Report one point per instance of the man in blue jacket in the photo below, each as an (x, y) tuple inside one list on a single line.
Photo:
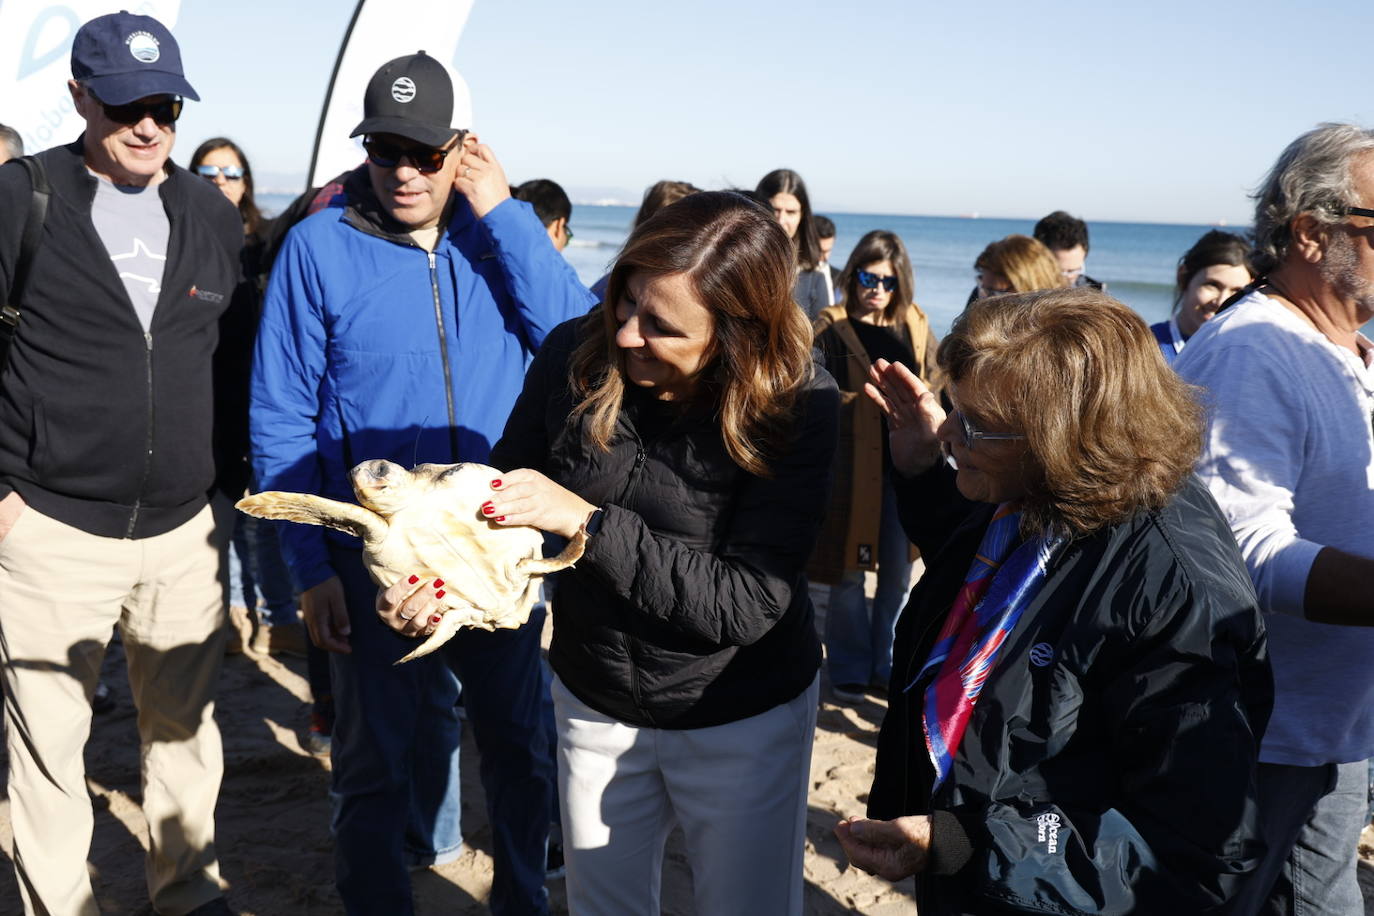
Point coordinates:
[(399, 326)]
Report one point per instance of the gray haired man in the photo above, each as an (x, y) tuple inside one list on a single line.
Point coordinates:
[(1289, 456)]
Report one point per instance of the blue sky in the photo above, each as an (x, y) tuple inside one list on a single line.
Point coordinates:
[(1168, 111)]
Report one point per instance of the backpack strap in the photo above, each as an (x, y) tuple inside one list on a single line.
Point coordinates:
[(28, 247)]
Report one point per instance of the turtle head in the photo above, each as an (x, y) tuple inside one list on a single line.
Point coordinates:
[(383, 486)]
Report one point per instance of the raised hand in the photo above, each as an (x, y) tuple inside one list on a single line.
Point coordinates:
[(913, 415), (480, 177)]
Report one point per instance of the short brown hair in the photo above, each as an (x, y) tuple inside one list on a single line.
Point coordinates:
[(1111, 429), (1025, 262), (740, 263)]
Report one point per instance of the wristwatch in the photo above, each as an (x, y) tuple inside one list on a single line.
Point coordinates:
[(593, 523)]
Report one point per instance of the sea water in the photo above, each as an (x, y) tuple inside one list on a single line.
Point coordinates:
[(1136, 261)]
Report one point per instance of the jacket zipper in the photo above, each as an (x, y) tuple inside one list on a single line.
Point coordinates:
[(640, 455), (443, 355), (147, 452)]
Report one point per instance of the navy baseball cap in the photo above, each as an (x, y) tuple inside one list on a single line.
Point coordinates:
[(123, 57), (411, 97)]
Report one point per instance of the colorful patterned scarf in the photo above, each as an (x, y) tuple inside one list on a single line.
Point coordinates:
[(1003, 579)]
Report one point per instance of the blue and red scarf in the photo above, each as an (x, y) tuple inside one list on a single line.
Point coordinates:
[(1005, 576)]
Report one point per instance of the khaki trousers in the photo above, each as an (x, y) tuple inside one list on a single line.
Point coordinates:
[(62, 591)]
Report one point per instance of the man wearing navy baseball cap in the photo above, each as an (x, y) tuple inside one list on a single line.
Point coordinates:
[(106, 427), (399, 323)]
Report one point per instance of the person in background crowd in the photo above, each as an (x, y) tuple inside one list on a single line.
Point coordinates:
[(878, 320), (1080, 680), (1015, 264), (688, 433), (105, 521), (657, 196), (1212, 271), (461, 287), (784, 191), (254, 555), (1067, 239), (825, 234), (551, 205), (11, 144), (1289, 455)]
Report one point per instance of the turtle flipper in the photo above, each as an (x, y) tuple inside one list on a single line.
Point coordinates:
[(452, 619), (538, 566), (315, 510)]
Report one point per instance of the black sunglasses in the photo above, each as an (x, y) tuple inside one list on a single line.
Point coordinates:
[(426, 159), (164, 112), (1358, 211), (870, 281)]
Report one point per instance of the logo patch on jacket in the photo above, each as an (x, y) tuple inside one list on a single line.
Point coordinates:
[(205, 295), (1041, 654), (1047, 831)]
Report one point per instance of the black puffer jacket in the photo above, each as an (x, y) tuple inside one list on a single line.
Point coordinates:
[(1108, 767), (690, 607)]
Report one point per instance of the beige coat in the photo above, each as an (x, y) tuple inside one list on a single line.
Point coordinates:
[(849, 536)]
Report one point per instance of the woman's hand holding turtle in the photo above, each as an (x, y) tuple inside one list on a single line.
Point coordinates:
[(412, 606), (526, 497), (913, 415)]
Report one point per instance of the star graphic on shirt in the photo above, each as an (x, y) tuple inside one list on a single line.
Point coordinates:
[(141, 250)]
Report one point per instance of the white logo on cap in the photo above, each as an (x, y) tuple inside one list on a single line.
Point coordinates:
[(143, 47), (403, 90)]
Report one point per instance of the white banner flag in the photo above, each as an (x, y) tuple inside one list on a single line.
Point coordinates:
[(36, 57)]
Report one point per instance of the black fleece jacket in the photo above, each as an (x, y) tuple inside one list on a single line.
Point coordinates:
[(690, 607), (102, 426), (1108, 767)]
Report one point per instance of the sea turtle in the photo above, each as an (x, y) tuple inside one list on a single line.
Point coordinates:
[(428, 522)]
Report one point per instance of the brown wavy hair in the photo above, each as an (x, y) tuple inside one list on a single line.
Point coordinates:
[(1111, 430), (1025, 262), (758, 360)]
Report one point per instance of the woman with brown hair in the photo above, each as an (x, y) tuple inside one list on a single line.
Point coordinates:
[(684, 427), (1081, 675), (1015, 264), (784, 192), (878, 320)]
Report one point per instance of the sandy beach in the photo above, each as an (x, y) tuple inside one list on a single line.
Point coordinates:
[(273, 816)]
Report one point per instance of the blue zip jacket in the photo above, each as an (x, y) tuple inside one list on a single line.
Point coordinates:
[(371, 347)]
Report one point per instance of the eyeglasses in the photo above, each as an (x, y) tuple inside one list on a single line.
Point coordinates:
[(1358, 211), (871, 280), (230, 172), (426, 159), (567, 232), (973, 433), (165, 112)]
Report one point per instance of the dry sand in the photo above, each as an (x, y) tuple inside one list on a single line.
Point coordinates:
[(273, 835)]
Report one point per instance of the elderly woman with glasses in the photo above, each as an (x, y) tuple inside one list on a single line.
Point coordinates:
[(878, 320), (1081, 678)]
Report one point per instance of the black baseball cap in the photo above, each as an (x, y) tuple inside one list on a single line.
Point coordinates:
[(123, 57), (411, 97)]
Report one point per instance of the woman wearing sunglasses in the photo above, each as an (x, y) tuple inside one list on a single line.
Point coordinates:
[(1081, 677), (878, 320), (1015, 264)]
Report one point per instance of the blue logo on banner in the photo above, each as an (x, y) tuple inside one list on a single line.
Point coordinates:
[(31, 60)]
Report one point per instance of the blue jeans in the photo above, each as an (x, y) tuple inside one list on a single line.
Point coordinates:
[(395, 756), (858, 644), (1311, 818), (256, 568)]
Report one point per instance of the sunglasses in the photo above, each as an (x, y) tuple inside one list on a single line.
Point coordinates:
[(230, 172), (870, 281), (426, 159), (972, 433), (164, 112)]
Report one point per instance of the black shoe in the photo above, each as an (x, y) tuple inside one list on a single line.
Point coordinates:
[(216, 907), (553, 865), (849, 693)]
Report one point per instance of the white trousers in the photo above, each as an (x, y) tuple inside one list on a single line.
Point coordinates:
[(738, 790)]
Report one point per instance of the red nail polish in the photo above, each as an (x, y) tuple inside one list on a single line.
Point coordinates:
[(500, 518), (414, 579), (496, 484), (438, 583), (436, 618), (488, 509), (439, 593)]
